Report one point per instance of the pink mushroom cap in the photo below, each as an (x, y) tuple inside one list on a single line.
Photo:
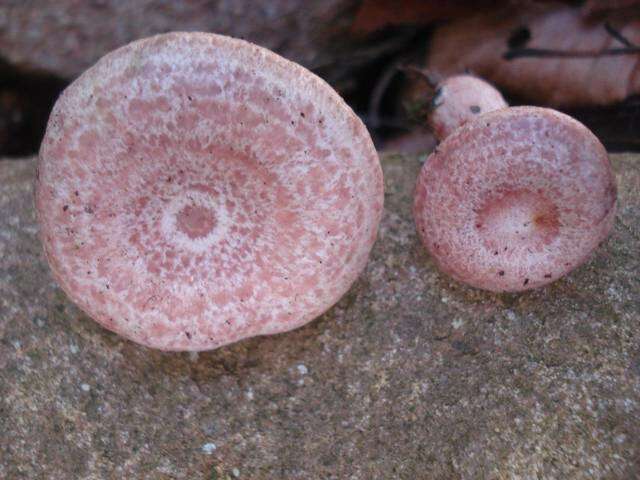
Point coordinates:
[(195, 190), (460, 99), (515, 199)]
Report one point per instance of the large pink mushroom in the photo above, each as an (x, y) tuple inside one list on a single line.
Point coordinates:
[(515, 199), (195, 190)]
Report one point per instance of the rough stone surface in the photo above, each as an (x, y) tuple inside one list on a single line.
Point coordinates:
[(411, 375), (67, 36)]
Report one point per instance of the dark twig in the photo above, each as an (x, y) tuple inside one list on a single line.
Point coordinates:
[(628, 49), (549, 53), (430, 78), (378, 93), (615, 33)]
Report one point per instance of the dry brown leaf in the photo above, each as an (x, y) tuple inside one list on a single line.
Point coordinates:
[(479, 44)]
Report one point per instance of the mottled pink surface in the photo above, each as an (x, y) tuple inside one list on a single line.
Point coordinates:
[(195, 190), (515, 199), (460, 99)]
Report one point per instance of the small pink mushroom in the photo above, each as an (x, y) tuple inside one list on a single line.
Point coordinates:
[(515, 199), (460, 99), (195, 190)]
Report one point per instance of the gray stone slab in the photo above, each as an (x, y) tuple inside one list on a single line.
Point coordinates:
[(411, 375)]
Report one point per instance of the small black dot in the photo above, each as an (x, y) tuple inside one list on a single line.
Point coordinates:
[(548, 275), (501, 273), (65, 208), (188, 335), (526, 280), (302, 114), (474, 109)]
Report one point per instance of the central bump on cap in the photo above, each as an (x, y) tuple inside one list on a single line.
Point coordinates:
[(518, 219), (196, 221)]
